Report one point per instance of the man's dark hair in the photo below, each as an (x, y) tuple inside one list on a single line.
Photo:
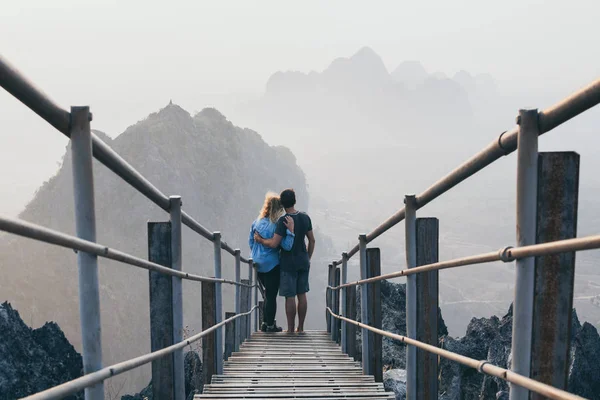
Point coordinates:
[(288, 198)]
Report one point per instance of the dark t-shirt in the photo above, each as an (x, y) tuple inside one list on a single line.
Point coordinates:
[(297, 258)]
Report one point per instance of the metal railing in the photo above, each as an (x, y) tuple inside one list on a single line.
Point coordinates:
[(533, 183), (85, 146)]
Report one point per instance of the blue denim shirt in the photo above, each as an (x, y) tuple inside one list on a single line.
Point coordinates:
[(265, 257)]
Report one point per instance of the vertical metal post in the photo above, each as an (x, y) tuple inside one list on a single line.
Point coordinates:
[(245, 307), (219, 302), (410, 204), (351, 348), (427, 234), (374, 311), (85, 224), (209, 358), (557, 196), (178, 367), (336, 306), (261, 313), (364, 305), (238, 300), (328, 294), (344, 279), (255, 299), (161, 309), (249, 299), (527, 157), (229, 335)]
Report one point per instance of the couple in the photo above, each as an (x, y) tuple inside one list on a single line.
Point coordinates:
[(282, 257)]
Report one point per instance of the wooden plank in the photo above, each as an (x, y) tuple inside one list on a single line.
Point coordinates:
[(243, 321), (230, 330), (427, 237), (351, 328), (209, 314), (287, 366), (161, 309), (558, 191), (374, 302)]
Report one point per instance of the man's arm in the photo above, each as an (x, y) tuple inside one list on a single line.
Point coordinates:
[(311, 243), (272, 243)]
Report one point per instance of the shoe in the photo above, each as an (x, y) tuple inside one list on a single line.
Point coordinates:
[(263, 327), (274, 328)]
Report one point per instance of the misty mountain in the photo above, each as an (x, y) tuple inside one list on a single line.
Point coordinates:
[(366, 137), (222, 173)]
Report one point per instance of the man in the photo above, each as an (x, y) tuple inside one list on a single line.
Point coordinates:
[(295, 263)]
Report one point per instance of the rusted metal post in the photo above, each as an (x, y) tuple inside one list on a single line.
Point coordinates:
[(249, 298), (229, 336), (261, 313), (256, 327), (364, 305), (245, 304), (351, 349), (427, 240), (336, 307), (178, 362), (161, 309), (209, 313), (557, 197), (238, 301), (219, 302), (410, 203), (328, 297), (85, 226), (344, 279), (527, 157), (374, 311)]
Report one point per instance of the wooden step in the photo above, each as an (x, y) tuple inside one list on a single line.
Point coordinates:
[(292, 366)]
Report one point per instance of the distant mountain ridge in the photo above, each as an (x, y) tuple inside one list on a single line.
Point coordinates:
[(222, 173)]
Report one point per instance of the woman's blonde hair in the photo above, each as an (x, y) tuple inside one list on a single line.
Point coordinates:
[(272, 207)]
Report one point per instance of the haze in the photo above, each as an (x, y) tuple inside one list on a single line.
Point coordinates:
[(127, 59)]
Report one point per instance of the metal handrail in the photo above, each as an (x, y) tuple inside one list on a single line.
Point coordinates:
[(43, 234), (22, 89), (76, 385), (506, 143), (482, 366), (506, 254)]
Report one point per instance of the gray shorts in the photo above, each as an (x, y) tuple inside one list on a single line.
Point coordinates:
[(293, 283)]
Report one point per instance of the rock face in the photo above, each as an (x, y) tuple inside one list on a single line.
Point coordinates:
[(393, 314), (490, 339), (32, 360), (394, 380)]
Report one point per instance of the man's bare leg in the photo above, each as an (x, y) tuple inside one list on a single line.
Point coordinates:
[(302, 308), (290, 312)]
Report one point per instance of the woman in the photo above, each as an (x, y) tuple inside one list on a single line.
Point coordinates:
[(266, 258)]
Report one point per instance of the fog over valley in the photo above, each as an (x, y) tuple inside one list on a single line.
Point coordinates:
[(352, 105)]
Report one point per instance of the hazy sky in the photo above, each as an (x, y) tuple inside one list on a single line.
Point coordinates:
[(128, 58)]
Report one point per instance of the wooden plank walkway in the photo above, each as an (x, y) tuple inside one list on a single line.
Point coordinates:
[(292, 366)]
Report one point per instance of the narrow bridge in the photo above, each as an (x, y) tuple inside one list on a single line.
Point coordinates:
[(329, 365)]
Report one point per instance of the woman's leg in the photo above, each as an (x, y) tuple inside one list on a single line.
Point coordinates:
[(271, 283)]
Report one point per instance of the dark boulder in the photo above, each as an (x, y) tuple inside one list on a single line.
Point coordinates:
[(33, 360)]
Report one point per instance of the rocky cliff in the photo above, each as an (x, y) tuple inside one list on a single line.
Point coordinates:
[(32, 360), (485, 339)]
